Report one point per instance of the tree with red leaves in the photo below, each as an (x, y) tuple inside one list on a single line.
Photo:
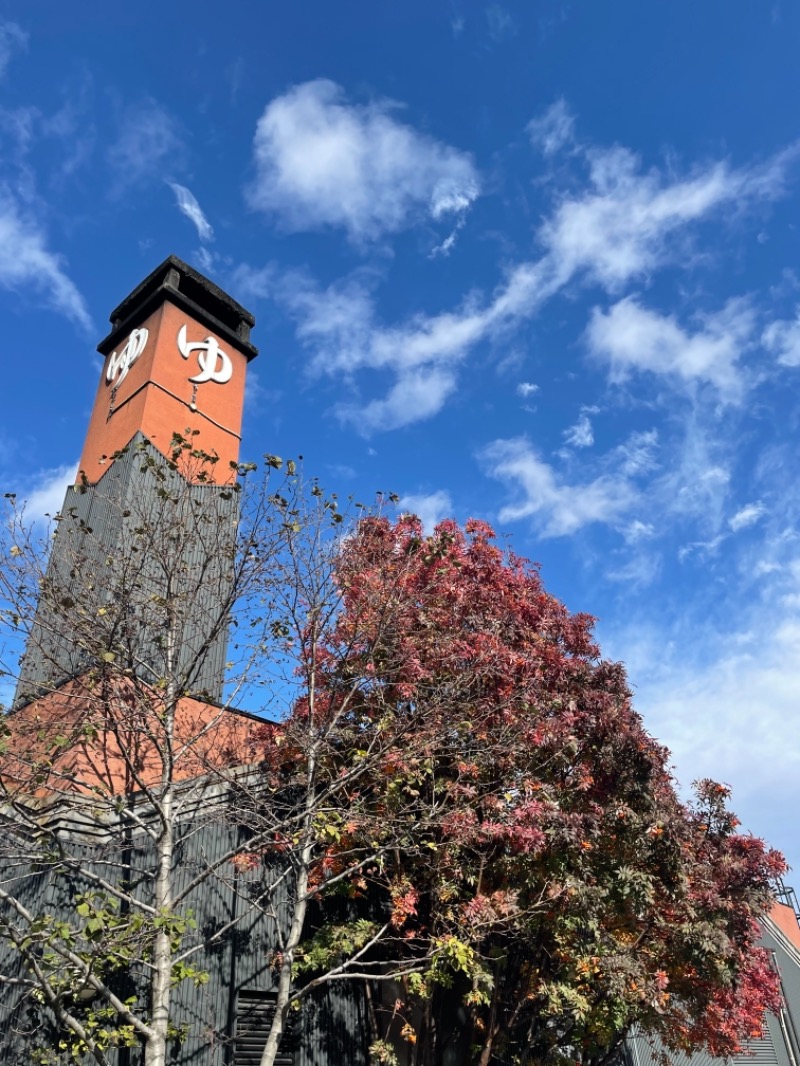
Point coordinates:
[(522, 882)]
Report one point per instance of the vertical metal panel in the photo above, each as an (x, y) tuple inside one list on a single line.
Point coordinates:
[(334, 1027), (95, 543), (331, 1027)]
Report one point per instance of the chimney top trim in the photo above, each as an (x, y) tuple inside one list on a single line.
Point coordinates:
[(176, 281)]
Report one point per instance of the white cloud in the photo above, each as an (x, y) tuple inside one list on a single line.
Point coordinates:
[(75, 135), (44, 497), (452, 197), (526, 389), (783, 338), (19, 125), (321, 161), (630, 337), (725, 699), (148, 144), (205, 259), (445, 247), (623, 225), (430, 508), (337, 324), (12, 39), (637, 454), (581, 435), (26, 263), (620, 228), (558, 508), (416, 395), (554, 129), (637, 530), (499, 22), (704, 548), (188, 206), (747, 516), (340, 326), (688, 477)]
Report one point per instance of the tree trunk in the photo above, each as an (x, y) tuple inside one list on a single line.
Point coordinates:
[(155, 1053), (298, 917), (161, 983), (491, 1033)]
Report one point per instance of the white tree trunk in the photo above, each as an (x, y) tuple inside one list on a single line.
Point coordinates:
[(161, 982)]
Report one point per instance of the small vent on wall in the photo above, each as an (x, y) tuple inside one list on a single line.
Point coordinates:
[(254, 1014), (761, 1051)]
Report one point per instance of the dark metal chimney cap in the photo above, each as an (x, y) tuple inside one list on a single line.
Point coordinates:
[(176, 281)]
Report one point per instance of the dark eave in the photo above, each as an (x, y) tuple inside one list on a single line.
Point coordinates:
[(186, 287)]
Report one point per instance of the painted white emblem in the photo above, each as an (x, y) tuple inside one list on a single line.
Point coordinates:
[(215, 365), (122, 362)]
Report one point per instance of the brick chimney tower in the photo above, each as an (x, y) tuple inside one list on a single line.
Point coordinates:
[(176, 359), (175, 362)]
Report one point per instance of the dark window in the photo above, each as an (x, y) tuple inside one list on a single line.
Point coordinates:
[(254, 1014)]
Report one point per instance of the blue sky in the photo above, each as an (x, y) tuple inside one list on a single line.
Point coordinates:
[(535, 263)]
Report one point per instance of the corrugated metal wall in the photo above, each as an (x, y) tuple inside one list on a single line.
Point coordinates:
[(182, 552), (331, 1028)]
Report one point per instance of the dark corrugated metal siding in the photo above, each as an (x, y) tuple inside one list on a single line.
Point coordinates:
[(331, 1027), (786, 1028), (255, 1012), (98, 558)]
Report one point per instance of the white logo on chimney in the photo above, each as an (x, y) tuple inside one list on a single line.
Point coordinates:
[(215, 365), (134, 346)]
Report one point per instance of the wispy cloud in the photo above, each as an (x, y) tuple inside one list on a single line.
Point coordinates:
[(525, 389), (418, 393), (341, 328), (694, 488), (783, 338), (28, 265), (499, 23), (188, 206), (747, 516), (581, 435), (205, 258), (632, 338), (637, 531), (645, 489), (12, 39), (744, 518), (637, 454), (624, 224), (558, 507), (149, 143), (322, 161), (18, 129), (553, 129), (45, 492)]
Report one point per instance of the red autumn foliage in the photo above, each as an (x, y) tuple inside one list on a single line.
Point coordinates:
[(536, 861)]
